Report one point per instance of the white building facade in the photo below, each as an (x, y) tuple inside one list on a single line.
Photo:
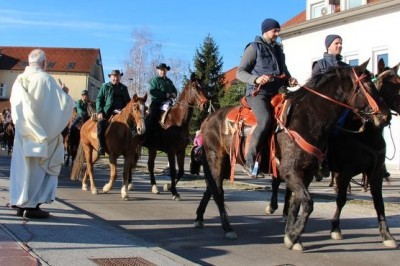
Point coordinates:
[(369, 31)]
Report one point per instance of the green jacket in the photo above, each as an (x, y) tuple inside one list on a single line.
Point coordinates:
[(81, 108), (159, 87), (104, 99)]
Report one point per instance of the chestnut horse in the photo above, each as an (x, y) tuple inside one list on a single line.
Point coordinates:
[(121, 139), (352, 152), (174, 135), (315, 108)]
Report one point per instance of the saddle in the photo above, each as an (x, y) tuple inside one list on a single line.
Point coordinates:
[(240, 123)]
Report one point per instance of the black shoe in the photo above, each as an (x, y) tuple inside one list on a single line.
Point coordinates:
[(386, 174), (101, 151), (20, 211), (35, 213)]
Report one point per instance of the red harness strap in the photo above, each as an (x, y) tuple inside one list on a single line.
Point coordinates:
[(306, 146)]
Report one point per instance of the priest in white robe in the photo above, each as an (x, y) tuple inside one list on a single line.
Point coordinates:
[(40, 109)]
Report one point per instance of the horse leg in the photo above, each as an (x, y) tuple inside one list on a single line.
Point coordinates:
[(273, 205), (172, 174), (89, 170), (214, 180), (125, 177), (375, 184), (343, 181), (150, 167), (113, 173), (180, 159), (300, 197)]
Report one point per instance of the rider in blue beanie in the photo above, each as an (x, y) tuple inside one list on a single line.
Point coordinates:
[(269, 24)]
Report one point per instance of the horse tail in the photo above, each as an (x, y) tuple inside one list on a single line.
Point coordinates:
[(78, 163)]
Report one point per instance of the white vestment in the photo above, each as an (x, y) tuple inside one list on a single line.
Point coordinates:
[(40, 110)]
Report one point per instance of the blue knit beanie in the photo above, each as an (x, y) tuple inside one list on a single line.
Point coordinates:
[(269, 24), (330, 38)]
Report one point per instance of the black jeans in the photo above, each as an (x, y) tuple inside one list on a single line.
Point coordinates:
[(261, 106), (101, 130), (152, 118)]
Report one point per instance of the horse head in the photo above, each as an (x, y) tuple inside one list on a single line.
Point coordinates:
[(366, 98), (137, 107), (388, 82), (193, 93)]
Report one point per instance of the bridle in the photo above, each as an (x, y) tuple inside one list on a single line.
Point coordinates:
[(198, 99), (357, 85)]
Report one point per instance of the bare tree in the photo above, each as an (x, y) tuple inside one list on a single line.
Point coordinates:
[(140, 65)]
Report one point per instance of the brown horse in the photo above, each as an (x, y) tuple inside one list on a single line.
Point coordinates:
[(315, 108), (174, 135), (122, 138)]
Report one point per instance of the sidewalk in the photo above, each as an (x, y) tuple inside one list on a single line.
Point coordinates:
[(72, 237)]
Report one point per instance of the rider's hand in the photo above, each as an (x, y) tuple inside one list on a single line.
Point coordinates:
[(264, 79), (100, 116), (64, 88)]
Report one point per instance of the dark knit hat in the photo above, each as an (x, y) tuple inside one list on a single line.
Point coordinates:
[(84, 92), (269, 24), (330, 38)]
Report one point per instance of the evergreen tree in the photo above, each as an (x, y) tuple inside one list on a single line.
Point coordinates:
[(233, 94), (208, 66)]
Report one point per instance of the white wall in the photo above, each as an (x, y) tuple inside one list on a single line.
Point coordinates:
[(360, 38)]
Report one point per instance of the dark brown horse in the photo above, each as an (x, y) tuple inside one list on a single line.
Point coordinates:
[(122, 138), (9, 134), (353, 154), (72, 133), (315, 108), (174, 136)]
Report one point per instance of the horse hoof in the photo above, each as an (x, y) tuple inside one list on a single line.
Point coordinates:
[(199, 224), (94, 191), (298, 246), (269, 210), (106, 189), (130, 187), (176, 197), (125, 198), (288, 243), (84, 188), (167, 187), (390, 243), (154, 189), (336, 236), (231, 235)]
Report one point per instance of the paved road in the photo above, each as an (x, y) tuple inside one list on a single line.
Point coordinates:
[(169, 224)]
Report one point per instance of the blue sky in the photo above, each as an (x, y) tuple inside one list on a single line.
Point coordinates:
[(180, 25)]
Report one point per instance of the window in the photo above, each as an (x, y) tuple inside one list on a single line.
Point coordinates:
[(71, 65), (353, 62), (351, 59), (3, 90), (51, 64), (378, 54), (316, 9), (23, 63), (354, 3)]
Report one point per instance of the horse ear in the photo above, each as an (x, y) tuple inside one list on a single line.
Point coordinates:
[(396, 68), (145, 98), (364, 65), (134, 97)]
